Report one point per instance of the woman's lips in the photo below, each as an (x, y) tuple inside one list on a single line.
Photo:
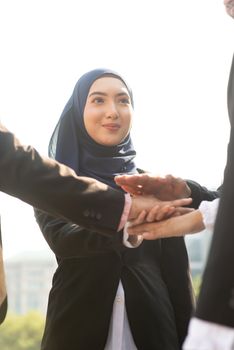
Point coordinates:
[(111, 126)]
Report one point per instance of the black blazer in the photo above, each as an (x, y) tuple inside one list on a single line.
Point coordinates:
[(50, 186), (216, 301), (155, 277), (55, 188)]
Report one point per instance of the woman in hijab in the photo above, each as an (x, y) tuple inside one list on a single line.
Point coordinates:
[(105, 294)]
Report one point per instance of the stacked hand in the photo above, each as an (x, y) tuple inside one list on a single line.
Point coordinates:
[(157, 205), (164, 188)]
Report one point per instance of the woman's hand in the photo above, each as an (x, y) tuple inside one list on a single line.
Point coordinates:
[(191, 222), (162, 210), (164, 188)]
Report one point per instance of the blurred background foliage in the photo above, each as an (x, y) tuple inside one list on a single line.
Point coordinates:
[(22, 332)]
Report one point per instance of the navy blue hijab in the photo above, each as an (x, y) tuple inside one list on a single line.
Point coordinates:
[(70, 143)]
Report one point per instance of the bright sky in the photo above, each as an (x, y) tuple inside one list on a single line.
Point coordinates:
[(175, 54)]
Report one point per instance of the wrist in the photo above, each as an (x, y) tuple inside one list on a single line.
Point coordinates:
[(126, 211), (197, 221), (132, 210)]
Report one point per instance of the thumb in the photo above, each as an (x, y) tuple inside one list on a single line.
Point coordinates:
[(150, 236)]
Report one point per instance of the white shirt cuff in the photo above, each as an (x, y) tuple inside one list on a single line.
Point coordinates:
[(203, 335), (131, 241), (209, 212)]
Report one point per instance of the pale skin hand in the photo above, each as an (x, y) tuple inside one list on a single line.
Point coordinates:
[(164, 188), (172, 227), (149, 208)]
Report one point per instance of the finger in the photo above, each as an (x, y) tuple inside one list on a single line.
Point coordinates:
[(164, 212), (129, 183), (127, 179), (181, 202), (122, 179), (139, 180), (132, 190), (139, 220), (151, 215), (151, 236), (158, 213), (183, 211)]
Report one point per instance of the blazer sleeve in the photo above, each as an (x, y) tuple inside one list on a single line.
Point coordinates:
[(200, 193), (69, 240), (53, 187), (176, 274), (216, 298)]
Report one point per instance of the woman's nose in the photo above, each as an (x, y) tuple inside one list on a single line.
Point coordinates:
[(112, 111)]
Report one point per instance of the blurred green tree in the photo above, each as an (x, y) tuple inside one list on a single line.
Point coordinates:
[(197, 280), (22, 332)]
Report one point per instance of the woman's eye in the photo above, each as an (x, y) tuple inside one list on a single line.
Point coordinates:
[(124, 100), (98, 100)]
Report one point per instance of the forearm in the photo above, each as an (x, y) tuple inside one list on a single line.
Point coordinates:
[(55, 188), (181, 225), (190, 223)]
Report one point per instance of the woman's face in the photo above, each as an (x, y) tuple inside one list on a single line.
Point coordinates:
[(108, 111)]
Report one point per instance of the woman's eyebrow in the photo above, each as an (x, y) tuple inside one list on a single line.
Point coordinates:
[(123, 94), (105, 94), (97, 93)]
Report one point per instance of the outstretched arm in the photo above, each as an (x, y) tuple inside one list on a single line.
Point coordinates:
[(56, 189), (191, 222)]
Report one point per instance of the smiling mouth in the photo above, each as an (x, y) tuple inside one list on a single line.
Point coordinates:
[(111, 127)]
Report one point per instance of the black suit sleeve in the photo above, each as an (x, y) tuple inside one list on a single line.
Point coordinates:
[(68, 240), (216, 299), (50, 186), (200, 193)]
